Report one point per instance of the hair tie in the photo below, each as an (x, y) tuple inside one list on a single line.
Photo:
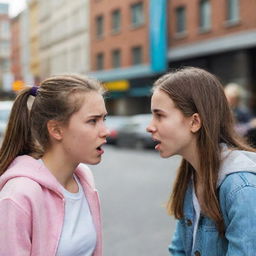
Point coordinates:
[(33, 91)]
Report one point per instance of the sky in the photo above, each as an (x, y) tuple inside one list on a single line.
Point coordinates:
[(15, 6)]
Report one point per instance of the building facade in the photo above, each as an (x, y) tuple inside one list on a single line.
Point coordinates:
[(64, 37), (24, 48), (5, 48), (219, 36), (128, 50), (16, 48), (33, 10)]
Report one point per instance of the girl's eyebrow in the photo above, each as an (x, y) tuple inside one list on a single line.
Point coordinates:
[(97, 116), (157, 111)]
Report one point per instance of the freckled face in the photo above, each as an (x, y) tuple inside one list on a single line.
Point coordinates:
[(86, 131), (169, 126)]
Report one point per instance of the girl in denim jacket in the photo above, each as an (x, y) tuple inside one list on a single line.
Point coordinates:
[(214, 193)]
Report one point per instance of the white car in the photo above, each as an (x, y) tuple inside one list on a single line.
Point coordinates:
[(5, 109)]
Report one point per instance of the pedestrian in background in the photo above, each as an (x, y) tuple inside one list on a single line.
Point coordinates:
[(48, 202), (214, 193), (241, 113)]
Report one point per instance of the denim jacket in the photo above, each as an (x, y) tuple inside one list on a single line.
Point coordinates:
[(237, 197)]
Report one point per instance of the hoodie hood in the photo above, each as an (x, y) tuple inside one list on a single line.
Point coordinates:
[(29, 167), (235, 161)]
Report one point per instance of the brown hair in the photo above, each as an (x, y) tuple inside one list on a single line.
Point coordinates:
[(195, 90), (57, 98)]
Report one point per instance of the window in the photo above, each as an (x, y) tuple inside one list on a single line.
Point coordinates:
[(136, 55), (99, 26), (116, 58), (180, 19), (137, 14), (5, 46), (100, 61), (4, 8), (5, 28), (232, 10), (205, 15), (116, 21)]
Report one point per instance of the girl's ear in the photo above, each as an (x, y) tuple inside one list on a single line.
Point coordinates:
[(195, 123), (54, 130)]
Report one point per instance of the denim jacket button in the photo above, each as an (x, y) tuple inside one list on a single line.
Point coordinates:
[(188, 222), (197, 253)]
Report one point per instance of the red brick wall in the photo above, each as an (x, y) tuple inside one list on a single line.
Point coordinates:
[(219, 27), (127, 38)]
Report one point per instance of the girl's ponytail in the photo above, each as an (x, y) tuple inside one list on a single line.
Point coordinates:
[(17, 140)]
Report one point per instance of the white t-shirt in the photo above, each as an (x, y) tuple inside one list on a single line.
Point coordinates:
[(78, 236)]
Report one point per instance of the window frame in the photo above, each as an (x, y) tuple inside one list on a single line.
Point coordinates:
[(116, 53), (133, 50), (100, 64), (116, 21), (99, 20), (136, 19), (205, 15), (181, 15)]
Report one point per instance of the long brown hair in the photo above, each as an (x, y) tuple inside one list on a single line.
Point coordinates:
[(57, 98), (195, 90)]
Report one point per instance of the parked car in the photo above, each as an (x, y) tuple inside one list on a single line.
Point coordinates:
[(5, 109), (133, 133), (114, 123)]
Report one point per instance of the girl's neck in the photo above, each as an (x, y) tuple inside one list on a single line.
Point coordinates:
[(61, 169)]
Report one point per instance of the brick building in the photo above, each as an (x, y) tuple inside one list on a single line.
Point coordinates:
[(219, 36), (133, 40), (128, 50)]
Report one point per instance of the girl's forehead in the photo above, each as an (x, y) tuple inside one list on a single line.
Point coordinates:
[(161, 98)]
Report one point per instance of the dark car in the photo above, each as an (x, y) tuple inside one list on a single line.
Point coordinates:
[(114, 123), (133, 133)]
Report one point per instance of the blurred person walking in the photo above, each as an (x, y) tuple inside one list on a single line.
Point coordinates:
[(245, 122), (242, 115), (48, 202), (214, 193), (234, 95)]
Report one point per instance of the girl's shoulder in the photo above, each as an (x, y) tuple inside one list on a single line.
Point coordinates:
[(237, 182), (21, 186), (21, 192)]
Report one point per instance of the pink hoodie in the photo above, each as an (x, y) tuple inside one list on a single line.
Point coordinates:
[(32, 208)]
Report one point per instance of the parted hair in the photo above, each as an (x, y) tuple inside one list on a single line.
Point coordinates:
[(57, 98), (195, 90)]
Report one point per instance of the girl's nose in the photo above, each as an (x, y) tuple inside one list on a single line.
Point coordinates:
[(151, 128), (105, 131)]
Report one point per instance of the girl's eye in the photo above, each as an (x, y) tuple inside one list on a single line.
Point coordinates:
[(93, 121)]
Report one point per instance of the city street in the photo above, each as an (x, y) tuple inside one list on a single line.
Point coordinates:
[(134, 187)]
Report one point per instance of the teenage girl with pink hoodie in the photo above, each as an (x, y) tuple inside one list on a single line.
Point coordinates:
[(48, 203)]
